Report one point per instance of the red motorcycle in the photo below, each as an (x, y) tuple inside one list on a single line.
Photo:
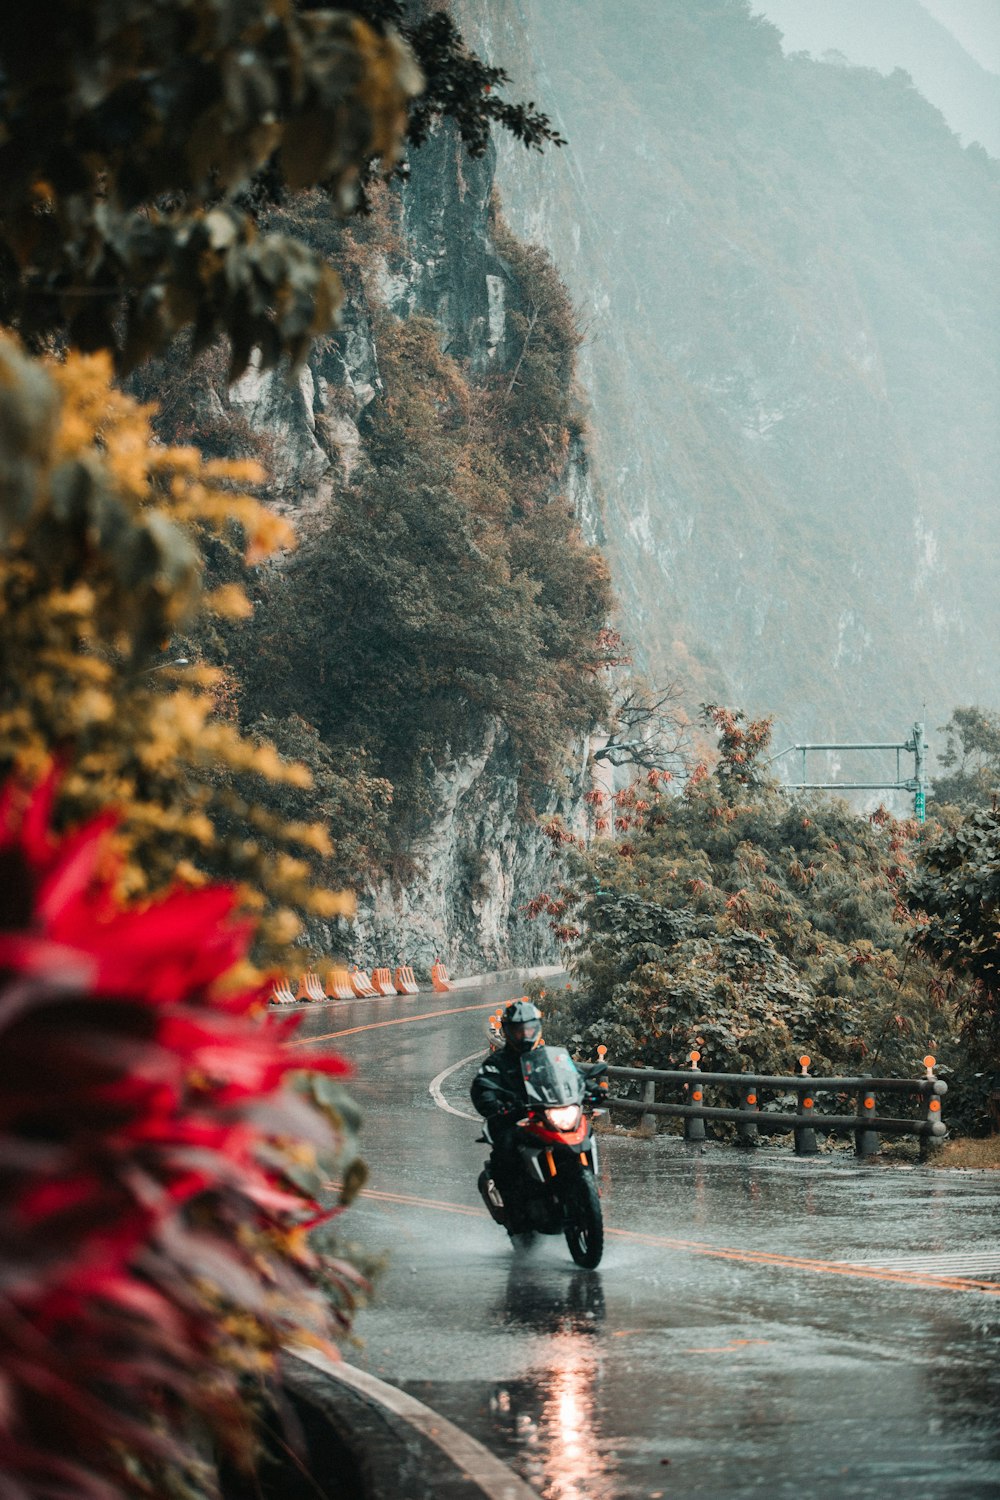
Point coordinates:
[(556, 1188)]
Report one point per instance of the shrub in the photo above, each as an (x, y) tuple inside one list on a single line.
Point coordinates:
[(159, 1176)]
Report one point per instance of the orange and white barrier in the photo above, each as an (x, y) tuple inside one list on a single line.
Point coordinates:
[(361, 984), (406, 981), (439, 976), (310, 987), (382, 980), (338, 984), (281, 993)]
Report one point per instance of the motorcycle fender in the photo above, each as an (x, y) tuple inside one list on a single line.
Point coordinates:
[(533, 1162)]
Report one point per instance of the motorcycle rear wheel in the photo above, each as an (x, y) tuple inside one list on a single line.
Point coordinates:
[(585, 1223)]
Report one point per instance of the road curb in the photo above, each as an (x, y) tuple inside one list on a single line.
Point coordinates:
[(403, 1448)]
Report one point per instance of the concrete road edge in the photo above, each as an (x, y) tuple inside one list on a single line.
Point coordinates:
[(459, 1456)]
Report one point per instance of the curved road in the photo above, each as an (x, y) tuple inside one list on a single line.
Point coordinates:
[(759, 1324)]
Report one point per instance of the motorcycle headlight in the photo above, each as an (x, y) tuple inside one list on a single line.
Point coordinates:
[(564, 1117)]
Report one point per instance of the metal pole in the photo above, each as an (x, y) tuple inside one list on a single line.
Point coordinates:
[(920, 773)]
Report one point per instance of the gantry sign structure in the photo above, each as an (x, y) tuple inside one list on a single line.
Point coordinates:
[(916, 746)]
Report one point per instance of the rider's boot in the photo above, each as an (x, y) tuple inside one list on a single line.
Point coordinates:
[(491, 1196)]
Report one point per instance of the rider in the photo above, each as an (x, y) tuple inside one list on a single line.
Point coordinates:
[(498, 1090)]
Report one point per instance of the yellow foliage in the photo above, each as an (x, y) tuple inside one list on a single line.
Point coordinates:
[(100, 564), (229, 602)]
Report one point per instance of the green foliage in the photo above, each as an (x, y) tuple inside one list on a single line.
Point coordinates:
[(753, 927), (533, 401), (971, 759), (139, 145), (127, 134), (437, 588), (954, 893), (457, 83)]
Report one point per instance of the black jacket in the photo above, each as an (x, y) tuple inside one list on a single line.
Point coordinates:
[(499, 1084)]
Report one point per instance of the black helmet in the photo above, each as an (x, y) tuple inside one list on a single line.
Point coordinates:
[(521, 1024)]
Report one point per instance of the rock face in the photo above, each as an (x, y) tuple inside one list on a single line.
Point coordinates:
[(787, 271), (479, 854), (476, 860)]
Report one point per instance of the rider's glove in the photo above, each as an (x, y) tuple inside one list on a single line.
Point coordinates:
[(505, 1115)]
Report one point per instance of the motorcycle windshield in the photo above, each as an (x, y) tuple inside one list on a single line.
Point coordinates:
[(551, 1077)]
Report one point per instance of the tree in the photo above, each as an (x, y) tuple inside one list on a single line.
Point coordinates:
[(731, 919), (971, 759), (648, 729), (435, 595), (101, 566), (137, 142), (954, 893)]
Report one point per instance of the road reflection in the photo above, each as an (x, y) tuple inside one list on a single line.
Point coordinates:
[(551, 1414)]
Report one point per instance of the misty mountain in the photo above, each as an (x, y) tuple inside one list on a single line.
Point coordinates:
[(786, 273), (889, 34)]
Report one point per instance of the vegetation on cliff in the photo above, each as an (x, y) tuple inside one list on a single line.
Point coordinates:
[(449, 578)]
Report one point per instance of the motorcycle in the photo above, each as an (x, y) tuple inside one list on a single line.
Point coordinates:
[(556, 1155)]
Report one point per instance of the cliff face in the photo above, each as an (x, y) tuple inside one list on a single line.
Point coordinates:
[(787, 273), (473, 850)]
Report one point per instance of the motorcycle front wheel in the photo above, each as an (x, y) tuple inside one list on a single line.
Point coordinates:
[(584, 1229)]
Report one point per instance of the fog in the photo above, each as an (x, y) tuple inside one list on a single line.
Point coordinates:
[(947, 46)]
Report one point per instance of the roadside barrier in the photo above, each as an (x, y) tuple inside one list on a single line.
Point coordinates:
[(344, 983), (361, 984), (439, 976), (310, 987), (338, 984), (751, 1120)]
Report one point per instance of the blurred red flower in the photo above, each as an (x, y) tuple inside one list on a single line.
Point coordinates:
[(153, 1226)]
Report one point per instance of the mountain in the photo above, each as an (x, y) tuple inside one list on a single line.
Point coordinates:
[(976, 24), (786, 272), (889, 34)]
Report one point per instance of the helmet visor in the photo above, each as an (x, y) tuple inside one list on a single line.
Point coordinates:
[(524, 1032)]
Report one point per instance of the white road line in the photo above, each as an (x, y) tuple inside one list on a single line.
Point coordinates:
[(962, 1263), (435, 1086)]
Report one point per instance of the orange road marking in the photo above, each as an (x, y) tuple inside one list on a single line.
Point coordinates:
[(408, 1202), (729, 1348), (329, 1036), (719, 1252)]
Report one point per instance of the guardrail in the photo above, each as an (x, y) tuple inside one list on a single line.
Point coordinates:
[(751, 1120)]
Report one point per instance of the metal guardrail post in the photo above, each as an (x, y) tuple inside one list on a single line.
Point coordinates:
[(694, 1125), (648, 1121), (933, 1112), (805, 1135), (866, 1142), (747, 1133)]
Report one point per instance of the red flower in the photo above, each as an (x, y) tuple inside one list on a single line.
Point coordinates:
[(151, 1246)]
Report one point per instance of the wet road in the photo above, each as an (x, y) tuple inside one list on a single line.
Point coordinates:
[(759, 1324)]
